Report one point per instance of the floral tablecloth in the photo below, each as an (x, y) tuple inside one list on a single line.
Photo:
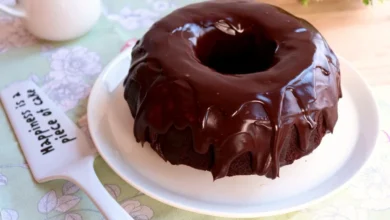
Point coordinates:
[(66, 72)]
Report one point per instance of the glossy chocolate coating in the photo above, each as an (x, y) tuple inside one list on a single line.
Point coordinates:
[(239, 74)]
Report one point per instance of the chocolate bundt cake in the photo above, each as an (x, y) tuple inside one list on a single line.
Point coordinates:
[(233, 87)]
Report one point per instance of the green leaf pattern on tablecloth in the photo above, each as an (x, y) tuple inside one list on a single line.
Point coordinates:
[(69, 188), (136, 210), (67, 202), (113, 189), (66, 72), (9, 214), (54, 205), (48, 202), (73, 216)]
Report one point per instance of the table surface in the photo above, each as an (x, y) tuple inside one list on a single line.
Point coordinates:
[(358, 33)]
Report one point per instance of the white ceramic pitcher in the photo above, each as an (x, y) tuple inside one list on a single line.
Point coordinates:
[(57, 20)]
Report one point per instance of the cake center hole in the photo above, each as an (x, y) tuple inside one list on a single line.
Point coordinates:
[(242, 53)]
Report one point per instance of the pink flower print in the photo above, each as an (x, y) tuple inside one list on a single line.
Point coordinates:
[(67, 92), (71, 64)]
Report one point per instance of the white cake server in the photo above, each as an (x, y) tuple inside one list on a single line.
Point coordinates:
[(55, 148)]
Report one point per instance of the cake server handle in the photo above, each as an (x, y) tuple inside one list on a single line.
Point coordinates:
[(83, 174)]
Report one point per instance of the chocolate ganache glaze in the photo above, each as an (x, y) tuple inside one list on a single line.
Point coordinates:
[(223, 80)]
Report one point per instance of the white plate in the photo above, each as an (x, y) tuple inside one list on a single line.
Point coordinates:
[(339, 157)]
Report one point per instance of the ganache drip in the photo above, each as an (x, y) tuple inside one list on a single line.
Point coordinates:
[(291, 79)]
